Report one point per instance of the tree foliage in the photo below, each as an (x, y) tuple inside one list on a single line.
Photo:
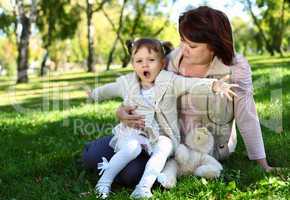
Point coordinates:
[(56, 20), (88, 32), (272, 22), (6, 22)]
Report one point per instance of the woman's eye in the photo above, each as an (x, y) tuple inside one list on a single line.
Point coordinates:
[(192, 47)]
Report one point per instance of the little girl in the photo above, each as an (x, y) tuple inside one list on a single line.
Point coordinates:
[(154, 91)]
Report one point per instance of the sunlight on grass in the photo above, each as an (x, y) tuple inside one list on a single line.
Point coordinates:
[(269, 60)]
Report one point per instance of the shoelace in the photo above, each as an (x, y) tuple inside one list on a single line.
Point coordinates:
[(141, 192), (102, 190)]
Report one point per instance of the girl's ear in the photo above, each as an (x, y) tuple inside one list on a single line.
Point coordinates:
[(164, 62)]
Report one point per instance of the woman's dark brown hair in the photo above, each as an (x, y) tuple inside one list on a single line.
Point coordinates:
[(207, 25)]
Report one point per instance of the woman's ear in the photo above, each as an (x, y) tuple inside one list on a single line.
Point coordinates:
[(211, 50)]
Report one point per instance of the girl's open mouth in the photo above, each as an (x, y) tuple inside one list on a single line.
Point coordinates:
[(146, 74)]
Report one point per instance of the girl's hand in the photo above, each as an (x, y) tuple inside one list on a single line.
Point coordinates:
[(89, 93), (127, 115), (223, 88)]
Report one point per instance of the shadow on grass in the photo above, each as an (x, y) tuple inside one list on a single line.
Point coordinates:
[(44, 156), (37, 104), (36, 82), (112, 75)]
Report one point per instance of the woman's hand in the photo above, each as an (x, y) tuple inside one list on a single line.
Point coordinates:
[(127, 115), (264, 164), (223, 88)]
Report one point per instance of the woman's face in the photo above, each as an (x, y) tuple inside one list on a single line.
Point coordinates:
[(196, 53)]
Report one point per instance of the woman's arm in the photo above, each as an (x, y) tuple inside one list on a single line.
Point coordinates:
[(246, 114), (127, 115)]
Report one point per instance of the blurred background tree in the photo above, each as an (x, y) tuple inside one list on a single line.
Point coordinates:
[(272, 23), (56, 21), (17, 17), (86, 35)]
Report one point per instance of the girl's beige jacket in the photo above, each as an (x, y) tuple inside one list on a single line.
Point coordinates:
[(167, 88)]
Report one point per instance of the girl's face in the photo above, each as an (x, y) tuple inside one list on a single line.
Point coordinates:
[(147, 64), (195, 53)]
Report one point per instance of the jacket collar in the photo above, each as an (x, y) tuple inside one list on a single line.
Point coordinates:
[(216, 68), (132, 84), (162, 82)]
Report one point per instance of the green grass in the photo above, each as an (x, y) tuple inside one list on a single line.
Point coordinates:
[(41, 142)]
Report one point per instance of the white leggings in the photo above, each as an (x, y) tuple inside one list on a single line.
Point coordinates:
[(161, 151)]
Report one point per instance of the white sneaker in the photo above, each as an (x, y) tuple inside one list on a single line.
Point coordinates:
[(103, 190), (141, 192)]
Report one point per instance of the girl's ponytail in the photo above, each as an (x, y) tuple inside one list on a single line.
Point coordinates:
[(129, 45), (167, 47)]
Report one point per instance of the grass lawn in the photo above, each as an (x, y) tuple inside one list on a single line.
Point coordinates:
[(41, 139)]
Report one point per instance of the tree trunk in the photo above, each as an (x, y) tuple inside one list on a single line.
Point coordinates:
[(90, 38), (111, 54), (112, 51), (43, 68), (125, 61), (23, 43), (269, 47), (280, 31), (115, 30), (140, 10), (126, 58), (23, 50)]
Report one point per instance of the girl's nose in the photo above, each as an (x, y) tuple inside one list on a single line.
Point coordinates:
[(145, 64)]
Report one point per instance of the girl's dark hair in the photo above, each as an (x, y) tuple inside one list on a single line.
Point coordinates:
[(162, 48), (207, 25)]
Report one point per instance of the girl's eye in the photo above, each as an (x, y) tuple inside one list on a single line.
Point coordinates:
[(138, 61), (151, 59)]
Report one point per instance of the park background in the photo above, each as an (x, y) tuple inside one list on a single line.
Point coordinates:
[(52, 51)]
